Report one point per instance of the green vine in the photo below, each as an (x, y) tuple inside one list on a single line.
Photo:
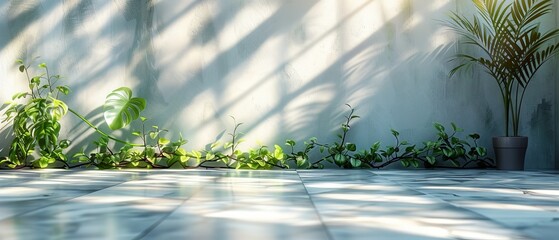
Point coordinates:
[(36, 144)]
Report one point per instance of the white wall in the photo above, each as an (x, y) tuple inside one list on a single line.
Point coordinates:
[(285, 68)]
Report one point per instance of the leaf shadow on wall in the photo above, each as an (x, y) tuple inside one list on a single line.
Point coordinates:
[(369, 57), (21, 15), (141, 59), (246, 47), (339, 77), (542, 129), (411, 87)]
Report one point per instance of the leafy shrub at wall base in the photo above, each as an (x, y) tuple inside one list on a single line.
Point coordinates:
[(35, 119)]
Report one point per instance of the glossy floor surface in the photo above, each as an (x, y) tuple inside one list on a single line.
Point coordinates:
[(317, 204)]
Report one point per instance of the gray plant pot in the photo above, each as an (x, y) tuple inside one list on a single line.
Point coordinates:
[(510, 152)]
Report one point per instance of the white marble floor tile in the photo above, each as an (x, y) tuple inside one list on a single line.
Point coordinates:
[(302, 204)]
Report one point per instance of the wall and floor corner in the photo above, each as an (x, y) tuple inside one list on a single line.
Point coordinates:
[(283, 68)]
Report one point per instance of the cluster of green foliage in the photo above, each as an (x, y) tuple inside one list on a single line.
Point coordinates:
[(36, 122), (447, 150), (156, 151), (36, 144)]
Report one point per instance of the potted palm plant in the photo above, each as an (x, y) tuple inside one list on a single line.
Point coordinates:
[(512, 49)]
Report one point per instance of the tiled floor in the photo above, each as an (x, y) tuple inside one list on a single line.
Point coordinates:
[(318, 204)]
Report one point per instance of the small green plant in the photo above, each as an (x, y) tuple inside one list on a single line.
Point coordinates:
[(450, 148), (437, 153), (402, 152), (339, 152), (155, 151), (35, 117), (446, 148), (230, 156)]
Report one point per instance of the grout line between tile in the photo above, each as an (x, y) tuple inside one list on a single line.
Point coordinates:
[(163, 218), (330, 236)]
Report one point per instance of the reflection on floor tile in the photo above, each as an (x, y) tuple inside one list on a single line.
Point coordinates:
[(304, 204)]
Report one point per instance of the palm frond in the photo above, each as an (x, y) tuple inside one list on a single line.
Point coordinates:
[(512, 47)]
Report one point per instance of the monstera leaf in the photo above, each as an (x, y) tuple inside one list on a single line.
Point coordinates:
[(121, 108)]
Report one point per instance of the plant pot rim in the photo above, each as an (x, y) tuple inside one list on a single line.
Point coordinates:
[(510, 142)]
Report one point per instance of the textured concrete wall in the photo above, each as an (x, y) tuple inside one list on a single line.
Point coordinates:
[(285, 68)]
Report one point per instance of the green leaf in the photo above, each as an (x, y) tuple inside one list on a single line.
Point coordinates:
[(439, 127), (405, 163), (474, 136), (290, 142), (64, 89), (447, 152), (302, 161), (459, 152), (183, 159), (196, 154), (339, 159), (19, 95), (278, 152), (454, 127), (121, 108), (351, 147), (375, 147), (394, 133), (153, 134), (355, 162), (58, 108), (43, 65), (36, 80), (43, 164), (481, 151), (210, 156), (180, 152), (64, 144), (21, 68), (163, 141), (410, 149), (431, 160)]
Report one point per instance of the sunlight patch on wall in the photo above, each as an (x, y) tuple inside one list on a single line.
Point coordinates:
[(188, 40), (320, 50), (93, 94), (203, 122), (246, 19), (300, 113), (50, 24)]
